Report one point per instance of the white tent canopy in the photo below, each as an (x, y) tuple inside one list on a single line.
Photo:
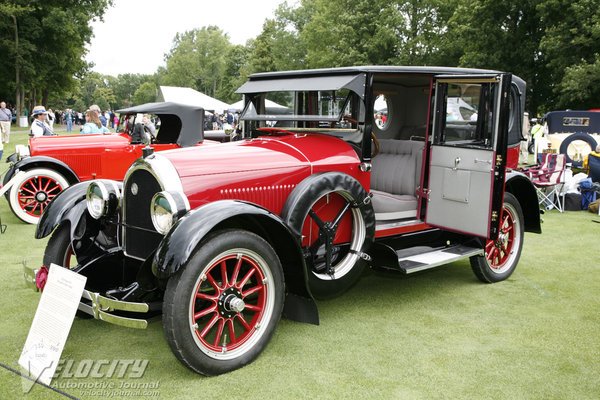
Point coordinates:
[(239, 105), (192, 97)]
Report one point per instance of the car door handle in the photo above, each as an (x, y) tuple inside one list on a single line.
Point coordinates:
[(456, 162)]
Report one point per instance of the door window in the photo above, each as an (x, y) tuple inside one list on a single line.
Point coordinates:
[(467, 118)]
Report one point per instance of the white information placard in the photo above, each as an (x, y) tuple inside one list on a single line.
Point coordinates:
[(52, 323)]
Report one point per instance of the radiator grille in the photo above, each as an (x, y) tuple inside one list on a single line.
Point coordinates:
[(141, 239)]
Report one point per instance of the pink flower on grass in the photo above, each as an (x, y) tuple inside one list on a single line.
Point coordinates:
[(41, 277)]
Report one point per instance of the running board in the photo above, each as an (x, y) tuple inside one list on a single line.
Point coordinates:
[(436, 257)]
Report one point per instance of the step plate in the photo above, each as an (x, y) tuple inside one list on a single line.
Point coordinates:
[(420, 262)]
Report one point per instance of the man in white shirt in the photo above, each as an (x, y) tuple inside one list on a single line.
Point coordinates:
[(39, 126), (5, 121)]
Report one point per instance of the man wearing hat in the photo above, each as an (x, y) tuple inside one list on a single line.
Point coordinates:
[(38, 126)]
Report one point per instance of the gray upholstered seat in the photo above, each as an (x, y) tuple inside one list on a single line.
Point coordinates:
[(394, 179)]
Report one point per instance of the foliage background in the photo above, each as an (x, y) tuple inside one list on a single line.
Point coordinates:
[(553, 44)]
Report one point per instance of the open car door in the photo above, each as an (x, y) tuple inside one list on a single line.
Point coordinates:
[(468, 153)]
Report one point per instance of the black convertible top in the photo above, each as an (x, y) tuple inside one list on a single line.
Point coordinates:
[(180, 123), (256, 82)]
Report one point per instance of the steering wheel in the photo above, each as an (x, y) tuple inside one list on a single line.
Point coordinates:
[(375, 145), (271, 131), (152, 137), (350, 119)]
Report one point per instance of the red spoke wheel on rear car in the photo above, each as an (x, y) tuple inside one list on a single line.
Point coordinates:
[(502, 255), (32, 193), (221, 310)]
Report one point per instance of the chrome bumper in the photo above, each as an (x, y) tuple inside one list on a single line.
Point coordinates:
[(101, 307)]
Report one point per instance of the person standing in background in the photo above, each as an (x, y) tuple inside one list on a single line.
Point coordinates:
[(51, 119), (5, 121), (96, 107), (39, 126), (69, 119)]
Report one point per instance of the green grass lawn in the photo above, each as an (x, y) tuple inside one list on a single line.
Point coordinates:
[(439, 334)]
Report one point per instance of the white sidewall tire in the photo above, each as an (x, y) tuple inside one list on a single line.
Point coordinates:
[(14, 191), (179, 332)]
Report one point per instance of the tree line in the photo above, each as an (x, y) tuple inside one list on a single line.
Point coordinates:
[(553, 44)]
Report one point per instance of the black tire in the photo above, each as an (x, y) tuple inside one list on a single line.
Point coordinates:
[(328, 279), (564, 146), (58, 250), (502, 256), (531, 147), (199, 307)]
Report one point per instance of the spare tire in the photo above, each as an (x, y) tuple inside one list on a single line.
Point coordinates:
[(564, 146), (332, 267)]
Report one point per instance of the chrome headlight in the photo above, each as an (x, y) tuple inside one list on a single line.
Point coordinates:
[(166, 208), (102, 198)]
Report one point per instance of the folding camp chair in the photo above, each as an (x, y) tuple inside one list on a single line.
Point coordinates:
[(549, 180)]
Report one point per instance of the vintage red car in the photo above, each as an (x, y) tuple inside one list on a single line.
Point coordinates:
[(224, 240), (51, 163)]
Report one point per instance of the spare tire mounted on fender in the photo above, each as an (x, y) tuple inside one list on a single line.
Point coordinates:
[(337, 207)]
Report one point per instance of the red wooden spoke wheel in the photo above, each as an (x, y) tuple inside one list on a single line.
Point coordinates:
[(221, 309), (230, 300), (32, 193), (35, 194), (502, 255), (498, 252)]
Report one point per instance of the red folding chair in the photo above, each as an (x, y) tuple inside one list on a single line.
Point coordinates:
[(549, 179)]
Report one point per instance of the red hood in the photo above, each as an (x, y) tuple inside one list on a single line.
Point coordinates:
[(51, 145), (265, 153)]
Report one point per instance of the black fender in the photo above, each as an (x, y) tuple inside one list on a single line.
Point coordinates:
[(68, 205), (7, 176), (178, 246), (12, 158), (42, 162), (519, 185)]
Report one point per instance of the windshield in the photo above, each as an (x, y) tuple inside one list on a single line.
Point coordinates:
[(325, 109)]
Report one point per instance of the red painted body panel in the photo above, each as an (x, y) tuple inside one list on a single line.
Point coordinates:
[(262, 171), (512, 157), (105, 156), (416, 227)]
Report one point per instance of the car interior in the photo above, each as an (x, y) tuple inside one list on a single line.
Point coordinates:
[(401, 108), (168, 128)]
